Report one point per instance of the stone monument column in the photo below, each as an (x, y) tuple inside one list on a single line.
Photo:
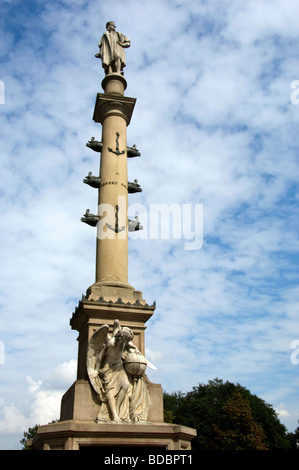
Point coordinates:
[(112, 402), (113, 111)]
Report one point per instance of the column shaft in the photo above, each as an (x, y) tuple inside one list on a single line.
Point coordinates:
[(112, 246), (113, 110)]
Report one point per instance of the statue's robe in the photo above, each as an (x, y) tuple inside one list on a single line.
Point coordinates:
[(135, 406)]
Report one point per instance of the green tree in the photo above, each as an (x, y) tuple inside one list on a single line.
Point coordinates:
[(31, 433), (28, 435), (206, 408), (171, 404), (237, 429)]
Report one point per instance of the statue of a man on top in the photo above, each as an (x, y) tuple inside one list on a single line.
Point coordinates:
[(111, 51)]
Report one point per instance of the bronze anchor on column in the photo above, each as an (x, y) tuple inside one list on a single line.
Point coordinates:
[(116, 229), (117, 152)]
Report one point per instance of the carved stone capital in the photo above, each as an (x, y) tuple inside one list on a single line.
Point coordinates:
[(112, 105)]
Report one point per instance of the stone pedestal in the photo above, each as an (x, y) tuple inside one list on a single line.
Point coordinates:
[(77, 427), (80, 401), (75, 435), (91, 314)]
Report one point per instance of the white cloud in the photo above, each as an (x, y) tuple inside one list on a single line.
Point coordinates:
[(282, 411), (12, 420), (43, 400), (45, 405)]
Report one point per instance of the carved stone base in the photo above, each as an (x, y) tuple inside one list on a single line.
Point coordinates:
[(78, 426), (114, 290), (74, 435)]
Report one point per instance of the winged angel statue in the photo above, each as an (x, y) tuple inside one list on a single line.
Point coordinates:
[(115, 368)]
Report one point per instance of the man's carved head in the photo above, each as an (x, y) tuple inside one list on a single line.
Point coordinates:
[(110, 26)]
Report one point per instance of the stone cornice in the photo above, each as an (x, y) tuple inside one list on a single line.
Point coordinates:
[(113, 105)]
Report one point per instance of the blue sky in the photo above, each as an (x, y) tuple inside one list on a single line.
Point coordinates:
[(215, 126)]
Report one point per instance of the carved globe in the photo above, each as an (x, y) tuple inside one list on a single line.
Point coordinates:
[(134, 364)]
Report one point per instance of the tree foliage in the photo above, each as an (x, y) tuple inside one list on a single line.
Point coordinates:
[(28, 435), (237, 429), (227, 417)]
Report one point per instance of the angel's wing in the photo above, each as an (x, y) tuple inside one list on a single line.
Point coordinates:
[(95, 350)]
